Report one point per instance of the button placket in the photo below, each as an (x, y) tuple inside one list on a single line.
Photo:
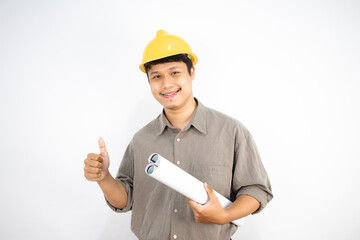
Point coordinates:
[(177, 224), (177, 147), (178, 137)]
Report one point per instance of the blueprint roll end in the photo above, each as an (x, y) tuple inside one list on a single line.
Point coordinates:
[(153, 158), (150, 169)]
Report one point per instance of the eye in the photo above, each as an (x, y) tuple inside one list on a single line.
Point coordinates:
[(174, 73), (156, 77)]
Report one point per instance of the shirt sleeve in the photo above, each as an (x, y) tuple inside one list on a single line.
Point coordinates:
[(250, 177), (125, 176)]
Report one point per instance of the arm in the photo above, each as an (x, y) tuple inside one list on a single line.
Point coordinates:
[(97, 169), (114, 191), (212, 211)]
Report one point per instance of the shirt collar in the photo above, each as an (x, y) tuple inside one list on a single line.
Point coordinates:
[(198, 120)]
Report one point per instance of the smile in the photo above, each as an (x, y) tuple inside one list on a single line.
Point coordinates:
[(170, 94)]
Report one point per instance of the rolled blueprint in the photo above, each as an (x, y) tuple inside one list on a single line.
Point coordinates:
[(174, 177)]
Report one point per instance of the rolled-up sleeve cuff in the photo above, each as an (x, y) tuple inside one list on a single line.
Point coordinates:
[(128, 206), (256, 193)]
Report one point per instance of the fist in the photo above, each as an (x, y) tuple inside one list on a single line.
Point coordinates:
[(97, 165)]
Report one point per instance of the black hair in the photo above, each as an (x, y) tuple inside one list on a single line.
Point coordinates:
[(175, 58)]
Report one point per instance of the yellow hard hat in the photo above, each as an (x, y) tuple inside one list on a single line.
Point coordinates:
[(165, 45)]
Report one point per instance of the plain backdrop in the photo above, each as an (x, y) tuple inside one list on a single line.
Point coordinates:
[(288, 70)]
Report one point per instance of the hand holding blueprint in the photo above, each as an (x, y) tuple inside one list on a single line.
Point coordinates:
[(174, 177)]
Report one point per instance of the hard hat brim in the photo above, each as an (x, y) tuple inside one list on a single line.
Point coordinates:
[(193, 58)]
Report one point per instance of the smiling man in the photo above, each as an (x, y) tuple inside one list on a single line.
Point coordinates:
[(209, 145)]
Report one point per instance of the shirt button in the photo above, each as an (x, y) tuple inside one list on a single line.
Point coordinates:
[(175, 237), (178, 162), (178, 139), (175, 210)]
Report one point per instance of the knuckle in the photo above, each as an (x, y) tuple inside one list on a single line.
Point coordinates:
[(93, 156)]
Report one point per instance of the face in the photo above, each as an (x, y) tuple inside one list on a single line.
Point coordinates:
[(171, 84)]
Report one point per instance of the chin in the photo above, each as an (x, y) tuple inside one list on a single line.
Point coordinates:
[(170, 106), (174, 104)]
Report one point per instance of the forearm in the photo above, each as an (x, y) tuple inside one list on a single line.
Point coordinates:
[(114, 191), (241, 207)]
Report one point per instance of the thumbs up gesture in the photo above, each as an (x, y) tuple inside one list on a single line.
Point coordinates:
[(97, 165)]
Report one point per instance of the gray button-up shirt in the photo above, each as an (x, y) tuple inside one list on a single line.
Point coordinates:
[(214, 148)]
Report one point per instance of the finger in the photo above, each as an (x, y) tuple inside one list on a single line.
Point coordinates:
[(92, 170), (190, 202), (93, 163), (102, 147), (95, 156), (92, 176), (194, 205)]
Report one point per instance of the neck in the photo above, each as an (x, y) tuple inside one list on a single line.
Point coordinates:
[(179, 118)]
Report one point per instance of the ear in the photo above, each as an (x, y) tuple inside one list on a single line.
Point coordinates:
[(192, 75)]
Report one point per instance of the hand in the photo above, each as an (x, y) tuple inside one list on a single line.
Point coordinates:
[(211, 211), (97, 165)]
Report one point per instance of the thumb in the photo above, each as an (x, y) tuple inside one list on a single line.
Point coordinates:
[(209, 191), (102, 147)]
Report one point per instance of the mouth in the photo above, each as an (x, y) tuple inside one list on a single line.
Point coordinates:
[(170, 94)]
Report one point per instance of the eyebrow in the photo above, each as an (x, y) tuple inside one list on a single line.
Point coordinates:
[(172, 68), (152, 73)]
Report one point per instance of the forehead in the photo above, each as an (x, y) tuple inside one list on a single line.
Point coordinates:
[(160, 67)]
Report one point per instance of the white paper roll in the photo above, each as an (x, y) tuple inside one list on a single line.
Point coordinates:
[(174, 177)]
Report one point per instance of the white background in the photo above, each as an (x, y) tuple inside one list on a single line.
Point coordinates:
[(288, 70)]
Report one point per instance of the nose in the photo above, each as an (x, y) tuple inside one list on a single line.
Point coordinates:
[(168, 81)]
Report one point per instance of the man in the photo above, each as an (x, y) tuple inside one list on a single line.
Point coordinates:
[(209, 145)]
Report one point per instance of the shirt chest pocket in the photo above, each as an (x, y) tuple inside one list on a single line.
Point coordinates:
[(218, 177)]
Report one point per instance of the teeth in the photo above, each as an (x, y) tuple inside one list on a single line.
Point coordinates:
[(171, 93)]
